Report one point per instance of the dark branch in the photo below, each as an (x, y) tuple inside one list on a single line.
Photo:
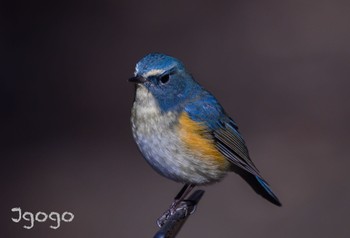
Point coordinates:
[(175, 221)]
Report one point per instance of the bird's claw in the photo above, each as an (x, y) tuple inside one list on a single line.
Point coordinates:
[(187, 206)]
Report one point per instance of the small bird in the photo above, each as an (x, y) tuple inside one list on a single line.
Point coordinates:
[(183, 132)]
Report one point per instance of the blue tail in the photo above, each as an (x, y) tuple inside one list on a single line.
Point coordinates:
[(267, 193), (260, 186)]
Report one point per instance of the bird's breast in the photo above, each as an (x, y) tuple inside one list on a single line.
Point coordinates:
[(170, 143)]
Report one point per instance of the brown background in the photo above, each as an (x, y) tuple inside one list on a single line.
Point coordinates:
[(280, 69)]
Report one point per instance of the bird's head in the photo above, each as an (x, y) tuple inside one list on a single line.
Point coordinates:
[(166, 78)]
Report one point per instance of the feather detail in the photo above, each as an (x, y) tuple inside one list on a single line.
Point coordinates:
[(230, 143), (198, 139)]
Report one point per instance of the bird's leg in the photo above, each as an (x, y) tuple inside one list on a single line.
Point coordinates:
[(180, 197), (186, 189)]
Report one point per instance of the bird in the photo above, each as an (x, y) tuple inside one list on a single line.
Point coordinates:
[(182, 130)]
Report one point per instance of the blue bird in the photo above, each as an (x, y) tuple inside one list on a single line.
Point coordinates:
[(182, 130)]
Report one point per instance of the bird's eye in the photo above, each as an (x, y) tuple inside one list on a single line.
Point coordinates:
[(164, 79)]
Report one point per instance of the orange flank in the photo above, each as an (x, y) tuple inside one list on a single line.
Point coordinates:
[(198, 140)]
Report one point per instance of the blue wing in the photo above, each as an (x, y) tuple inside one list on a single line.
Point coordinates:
[(206, 109)]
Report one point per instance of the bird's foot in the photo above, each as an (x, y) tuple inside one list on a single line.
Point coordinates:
[(171, 211), (185, 205)]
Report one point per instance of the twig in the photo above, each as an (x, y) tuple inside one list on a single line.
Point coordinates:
[(175, 221)]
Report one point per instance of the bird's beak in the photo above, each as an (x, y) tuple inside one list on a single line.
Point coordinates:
[(137, 79)]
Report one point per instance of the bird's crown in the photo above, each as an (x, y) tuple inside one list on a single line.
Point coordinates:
[(156, 64)]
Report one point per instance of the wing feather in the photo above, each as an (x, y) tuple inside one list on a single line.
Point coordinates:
[(205, 109), (231, 144)]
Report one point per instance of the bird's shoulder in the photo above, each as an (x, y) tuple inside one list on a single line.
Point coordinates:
[(205, 108)]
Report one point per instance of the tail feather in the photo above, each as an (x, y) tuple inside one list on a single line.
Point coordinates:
[(271, 196), (260, 186)]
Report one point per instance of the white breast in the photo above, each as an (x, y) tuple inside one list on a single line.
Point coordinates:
[(156, 134)]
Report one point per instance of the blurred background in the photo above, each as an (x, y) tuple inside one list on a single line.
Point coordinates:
[(279, 68)]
